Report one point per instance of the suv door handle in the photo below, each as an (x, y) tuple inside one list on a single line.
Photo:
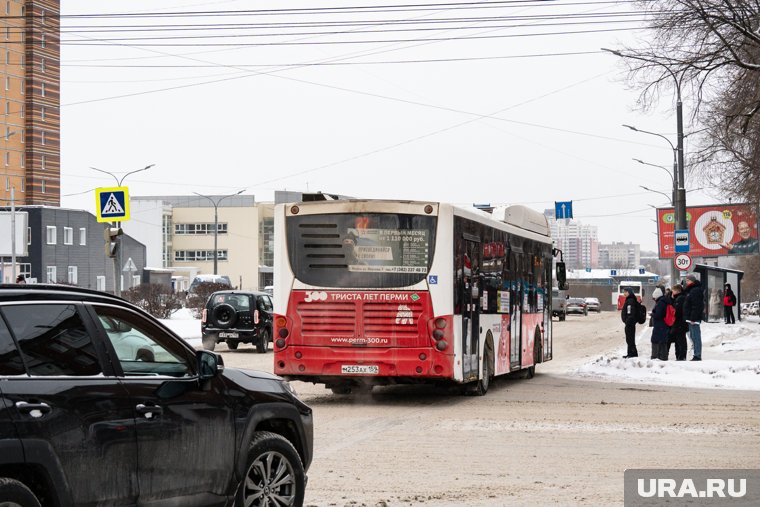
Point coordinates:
[(149, 410), (35, 410)]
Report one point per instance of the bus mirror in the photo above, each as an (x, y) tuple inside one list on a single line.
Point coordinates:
[(561, 276)]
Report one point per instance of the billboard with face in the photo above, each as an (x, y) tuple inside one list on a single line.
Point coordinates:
[(721, 229)]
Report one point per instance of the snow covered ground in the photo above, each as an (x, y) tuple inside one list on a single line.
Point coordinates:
[(186, 326), (730, 360), (730, 357)]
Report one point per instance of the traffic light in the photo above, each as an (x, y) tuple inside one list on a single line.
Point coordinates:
[(111, 235)]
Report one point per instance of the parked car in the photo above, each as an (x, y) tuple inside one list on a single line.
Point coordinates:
[(750, 308), (558, 303), (218, 279), (87, 417), (593, 305), (576, 305), (237, 317)]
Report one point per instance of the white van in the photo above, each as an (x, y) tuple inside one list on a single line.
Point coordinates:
[(559, 299)]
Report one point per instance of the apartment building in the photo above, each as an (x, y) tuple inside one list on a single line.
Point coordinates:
[(619, 255), (579, 242), (183, 233), (30, 96)]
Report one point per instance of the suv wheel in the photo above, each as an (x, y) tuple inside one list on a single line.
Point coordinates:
[(209, 341), (263, 342), (15, 494), (274, 476), (232, 344), (224, 316)]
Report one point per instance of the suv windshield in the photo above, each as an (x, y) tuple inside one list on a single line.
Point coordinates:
[(361, 250)]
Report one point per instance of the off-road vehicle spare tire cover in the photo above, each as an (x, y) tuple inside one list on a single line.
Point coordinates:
[(223, 316)]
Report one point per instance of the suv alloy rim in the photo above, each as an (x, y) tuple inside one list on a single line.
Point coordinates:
[(270, 481)]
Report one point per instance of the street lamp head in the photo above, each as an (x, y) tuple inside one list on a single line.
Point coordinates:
[(613, 51)]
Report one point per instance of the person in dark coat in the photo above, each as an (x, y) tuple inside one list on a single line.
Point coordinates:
[(693, 312), (628, 314), (660, 330), (679, 328), (729, 301)]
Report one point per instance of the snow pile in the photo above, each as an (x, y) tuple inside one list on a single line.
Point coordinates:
[(730, 360), (185, 326)]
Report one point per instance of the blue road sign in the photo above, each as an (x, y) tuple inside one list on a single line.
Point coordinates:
[(112, 204), (681, 240), (563, 209)]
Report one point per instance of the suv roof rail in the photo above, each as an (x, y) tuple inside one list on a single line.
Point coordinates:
[(52, 287)]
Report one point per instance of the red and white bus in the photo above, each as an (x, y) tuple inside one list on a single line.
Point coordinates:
[(374, 292)]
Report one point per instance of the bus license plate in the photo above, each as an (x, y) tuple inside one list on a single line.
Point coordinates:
[(229, 335), (361, 369)]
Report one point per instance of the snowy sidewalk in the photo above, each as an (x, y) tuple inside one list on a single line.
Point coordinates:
[(730, 360)]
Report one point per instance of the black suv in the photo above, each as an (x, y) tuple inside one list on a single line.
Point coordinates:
[(100, 404), (237, 317)]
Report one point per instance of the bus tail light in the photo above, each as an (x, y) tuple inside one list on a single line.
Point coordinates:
[(440, 329), (441, 345), (281, 330)]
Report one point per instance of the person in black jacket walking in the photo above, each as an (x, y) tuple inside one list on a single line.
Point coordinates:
[(679, 328), (693, 312), (629, 314)]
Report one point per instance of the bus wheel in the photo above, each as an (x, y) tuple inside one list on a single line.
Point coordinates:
[(485, 382), (341, 389), (531, 372)]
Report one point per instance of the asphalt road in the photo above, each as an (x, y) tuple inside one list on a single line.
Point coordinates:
[(551, 440)]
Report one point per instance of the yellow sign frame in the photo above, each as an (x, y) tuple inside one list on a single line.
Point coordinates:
[(103, 200)]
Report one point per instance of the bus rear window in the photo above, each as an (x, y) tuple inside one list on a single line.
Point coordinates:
[(361, 250)]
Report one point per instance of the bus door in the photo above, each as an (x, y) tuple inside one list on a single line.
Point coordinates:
[(471, 291), (515, 331)]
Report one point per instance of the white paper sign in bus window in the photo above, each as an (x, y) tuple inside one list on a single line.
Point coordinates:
[(387, 250)]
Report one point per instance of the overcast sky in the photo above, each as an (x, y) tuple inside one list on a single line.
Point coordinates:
[(403, 103)]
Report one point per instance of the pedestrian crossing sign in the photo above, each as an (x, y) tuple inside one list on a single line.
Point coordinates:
[(112, 204)]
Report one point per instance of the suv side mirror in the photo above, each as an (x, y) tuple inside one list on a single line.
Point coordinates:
[(209, 364), (561, 276)]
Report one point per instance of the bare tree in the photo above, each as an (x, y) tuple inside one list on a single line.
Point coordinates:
[(156, 299), (711, 50), (196, 301)]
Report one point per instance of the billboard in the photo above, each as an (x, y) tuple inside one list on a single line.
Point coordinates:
[(721, 229), (6, 242)]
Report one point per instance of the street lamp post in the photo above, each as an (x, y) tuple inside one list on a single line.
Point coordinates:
[(216, 221), (672, 179), (680, 197), (117, 257)]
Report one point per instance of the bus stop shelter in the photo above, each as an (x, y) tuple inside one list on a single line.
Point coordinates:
[(714, 279)]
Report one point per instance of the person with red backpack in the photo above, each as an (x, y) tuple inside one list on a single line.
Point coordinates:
[(729, 301), (660, 330), (680, 327)]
